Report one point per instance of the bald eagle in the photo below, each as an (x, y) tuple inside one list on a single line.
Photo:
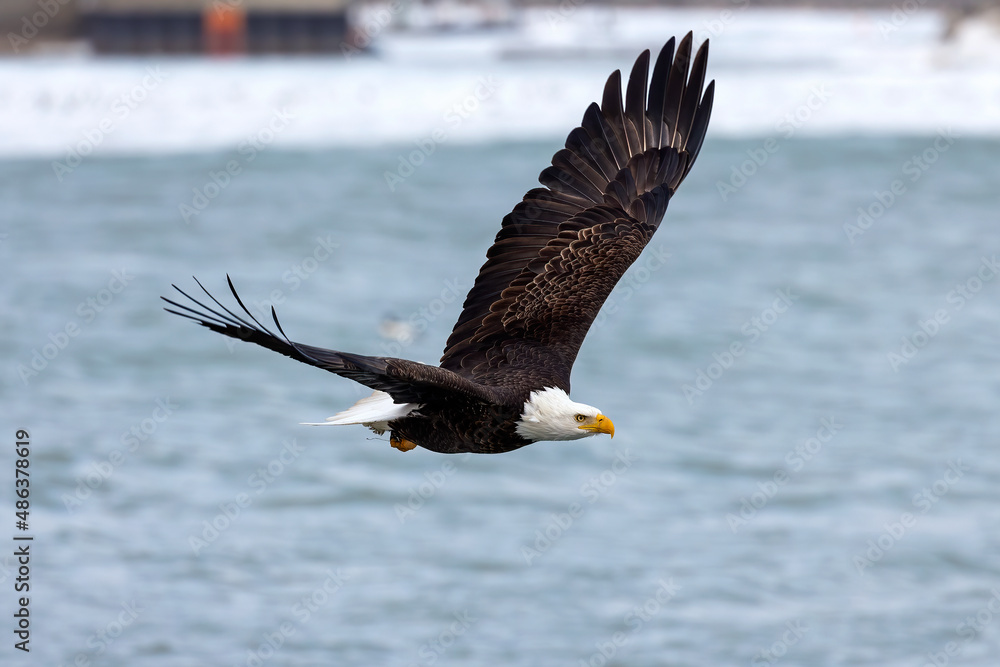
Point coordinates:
[(504, 379)]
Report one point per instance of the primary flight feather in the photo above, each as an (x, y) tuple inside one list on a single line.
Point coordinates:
[(503, 381)]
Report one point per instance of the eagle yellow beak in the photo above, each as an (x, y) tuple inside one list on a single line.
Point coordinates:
[(601, 424)]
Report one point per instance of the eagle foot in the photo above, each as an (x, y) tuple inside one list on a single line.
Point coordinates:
[(401, 444)]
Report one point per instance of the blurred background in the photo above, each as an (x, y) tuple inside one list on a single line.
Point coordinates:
[(803, 367)]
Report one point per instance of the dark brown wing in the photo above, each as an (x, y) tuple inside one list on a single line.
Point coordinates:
[(561, 251), (406, 381)]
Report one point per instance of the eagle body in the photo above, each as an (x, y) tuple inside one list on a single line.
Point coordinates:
[(462, 426), (503, 381)]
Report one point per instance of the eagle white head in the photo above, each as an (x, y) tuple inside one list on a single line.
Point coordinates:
[(549, 414)]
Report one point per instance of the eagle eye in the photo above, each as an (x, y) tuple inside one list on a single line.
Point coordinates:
[(581, 418)]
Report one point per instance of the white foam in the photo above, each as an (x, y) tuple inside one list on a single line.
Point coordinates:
[(532, 81)]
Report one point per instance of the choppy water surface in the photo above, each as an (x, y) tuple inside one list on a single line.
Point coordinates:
[(809, 500)]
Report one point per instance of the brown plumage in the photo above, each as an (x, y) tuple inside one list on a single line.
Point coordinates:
[(557, 257)]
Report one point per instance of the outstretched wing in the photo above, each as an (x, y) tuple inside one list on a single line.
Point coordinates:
[(561, 251), (406, 381)]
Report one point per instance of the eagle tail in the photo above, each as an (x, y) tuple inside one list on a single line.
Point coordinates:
[(375, 411)]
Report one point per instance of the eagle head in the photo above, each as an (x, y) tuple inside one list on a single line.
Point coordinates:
[(549, 414)]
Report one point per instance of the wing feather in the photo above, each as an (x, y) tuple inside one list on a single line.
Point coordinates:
[(675, 90), (635, 104), (658, 93), (613, 117)]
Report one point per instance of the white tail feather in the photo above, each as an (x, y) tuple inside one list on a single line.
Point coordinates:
[(375, 411)]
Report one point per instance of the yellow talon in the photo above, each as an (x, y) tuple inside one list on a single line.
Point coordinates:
[(401, 444)]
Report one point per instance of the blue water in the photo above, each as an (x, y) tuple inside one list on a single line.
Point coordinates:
[(345, 551)]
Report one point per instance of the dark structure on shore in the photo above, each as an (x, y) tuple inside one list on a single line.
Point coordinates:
[(215, 26)]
